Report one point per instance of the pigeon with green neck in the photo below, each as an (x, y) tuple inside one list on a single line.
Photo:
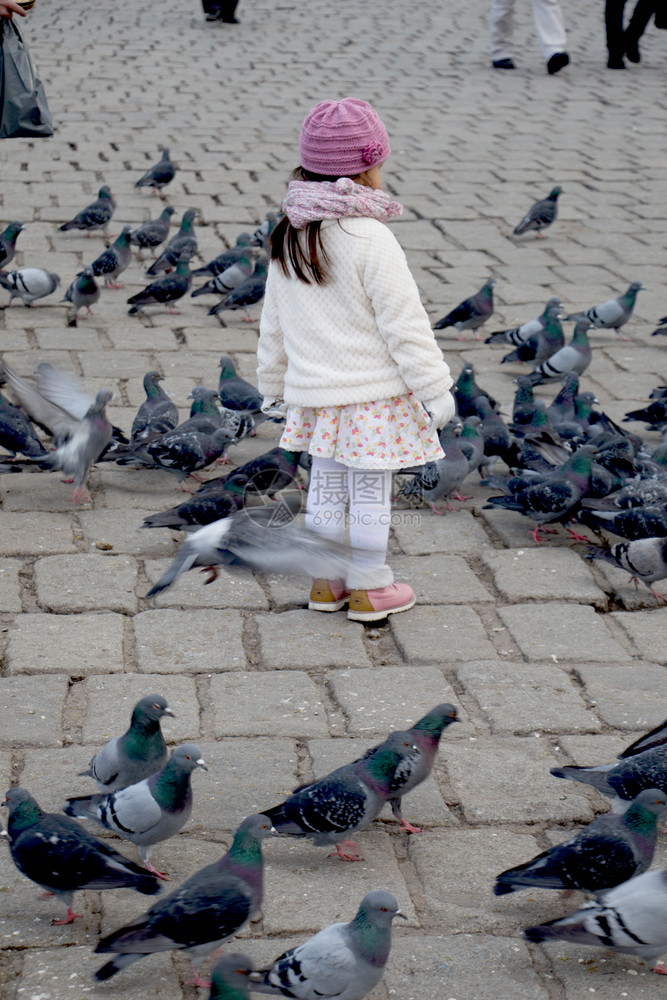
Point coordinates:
[(94, 216), (152, 233), (181, 247), (114, 260)]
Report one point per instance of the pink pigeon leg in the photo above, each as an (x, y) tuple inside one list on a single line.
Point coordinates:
[(658, 597), (162, 875), (409, 828), (69, 919), (80, 495), (204, 984), (340, 853), (660, 969), (576, 537), (213, 570), (459, 496)]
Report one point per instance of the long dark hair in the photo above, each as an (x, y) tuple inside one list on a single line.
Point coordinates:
[(287, 247)]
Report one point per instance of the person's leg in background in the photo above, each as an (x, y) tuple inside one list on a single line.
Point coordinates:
[(501, 32), (641, 15), (550, 30), (613, 20)]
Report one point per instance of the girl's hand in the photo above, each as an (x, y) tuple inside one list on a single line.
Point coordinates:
[(9, 7), (273, 407), (440, 410)]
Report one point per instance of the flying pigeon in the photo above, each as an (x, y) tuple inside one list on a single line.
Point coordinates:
[(17, 435), (608, 851), (114, 259), (246, 294), (471, 313), (574, 357), (341, 962), (231, 277), (541, 215), (149, 811), (181, 247), (157, 414), (230, 978), (61, 857), (645, 559), (614, 313), (150, 234), (226, 258), (83, 293), (28, 284), (8, 240), (214, 903), (159, 175), (346, 800), (94, 216), (441, 479), (138, 753), (623, 781), (167, 289)]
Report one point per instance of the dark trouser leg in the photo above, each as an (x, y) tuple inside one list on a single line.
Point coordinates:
[(613, 19), (211, 6), (641, 15), (227, 10)]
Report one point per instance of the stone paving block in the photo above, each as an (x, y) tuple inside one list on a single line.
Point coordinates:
[(265, 704), (66, 644), (286, 592), (440, 634), (114, 528), (57, 972), (32, 710), (618, 582), (34, 534), (607, 687), (521, 698), (505, 780), (53, 774), (599, 973), (419, 532), (99, 724), (192, 642), (25, 917), (145, 489), (563, 631), (648, 632), (10, 585), (86, 581), (543, 574), (32, 491), (303, 639), (440, 579), (235, 589)]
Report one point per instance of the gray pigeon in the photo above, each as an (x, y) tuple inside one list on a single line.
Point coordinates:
[(346, 800), (341, 962), (231, 277), (16, 432), (262, 235), (537, 347), (181, 247), (167, 289), (518, 335), (28, 284), (471, 313), (574, 357), (471, 442), (263, 538), (630, 919), (94, 216), (76, 421), (150, 234), (645, 559), (114, 260), (540, 215), (614, 313), (83, 293), (159, 175), (246, 294), (608, 851), (230, 979), (157, 414), (214, 903), (623, 780), (441, 479), (61, 857), (150, 811), (8, 242), (226, 258), (138, 753)]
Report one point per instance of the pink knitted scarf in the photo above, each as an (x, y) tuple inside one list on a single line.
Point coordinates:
[(308, 201)]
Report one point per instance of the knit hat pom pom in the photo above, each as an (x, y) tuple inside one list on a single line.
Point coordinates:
[(345, 184), (342, 138)]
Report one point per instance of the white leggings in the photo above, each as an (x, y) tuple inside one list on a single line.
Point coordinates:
[(368, 492)]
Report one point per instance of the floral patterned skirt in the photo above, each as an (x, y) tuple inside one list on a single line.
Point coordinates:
[(383, 434)]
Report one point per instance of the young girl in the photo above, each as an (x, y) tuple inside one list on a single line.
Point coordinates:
[(347, 350)]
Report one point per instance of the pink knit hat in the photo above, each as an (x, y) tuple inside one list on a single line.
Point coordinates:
[(342, 138)]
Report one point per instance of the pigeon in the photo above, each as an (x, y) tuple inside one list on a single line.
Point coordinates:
[(159, 175), (498, 440), (346, 800), (61, 857), (157, 414), (631, 524), (624, 780), (230, 278), (264, 538), (78, 421), (540, 215), (649, 741), (655, 414), (341, 962), (441, 479), (638, 493), (562, 408), (8, 240), (540, 346), (629, 919), (205, 508), (471, 313), (210, 906), (181, 247), (94, 216), (246, 294), (149, 811), (17, 435), (138, 753), (471, 442), (525, 406), (614, 313), (662, 329), (270, 472), (167, 289), (83, 293), (608, 851), (230, 978), (151, 234), (262, 235), (645, 559), (226, 258), (28, 284), (574, 357), (466, 392), (521, 334), (234, 392), (114, 260)]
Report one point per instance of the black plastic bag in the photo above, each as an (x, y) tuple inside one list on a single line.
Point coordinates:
[(23, 107)]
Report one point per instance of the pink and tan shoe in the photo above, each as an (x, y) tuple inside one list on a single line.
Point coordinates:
[(372, 605), (328, 595)]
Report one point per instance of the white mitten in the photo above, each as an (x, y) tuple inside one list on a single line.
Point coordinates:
[(273, 407), (441, 410)]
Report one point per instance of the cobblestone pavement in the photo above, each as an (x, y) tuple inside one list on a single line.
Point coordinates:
[(549, 658)]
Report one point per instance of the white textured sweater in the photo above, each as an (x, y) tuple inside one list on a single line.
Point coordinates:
[(363, 335)]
